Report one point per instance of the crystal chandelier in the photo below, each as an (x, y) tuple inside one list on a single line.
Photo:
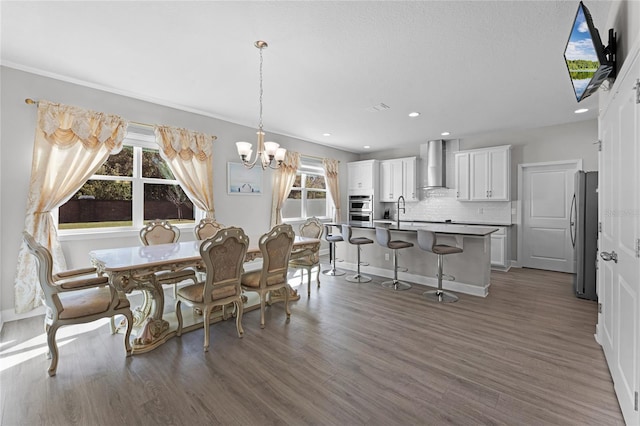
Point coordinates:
[(269, 153)]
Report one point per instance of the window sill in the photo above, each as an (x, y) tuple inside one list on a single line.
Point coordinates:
[(104, 233)]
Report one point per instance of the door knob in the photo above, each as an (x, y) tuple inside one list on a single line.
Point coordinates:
[(609, 256)]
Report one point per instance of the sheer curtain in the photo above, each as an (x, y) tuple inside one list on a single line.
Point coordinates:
[(70, 145), (333, 185), (284, 178), (190, 158)]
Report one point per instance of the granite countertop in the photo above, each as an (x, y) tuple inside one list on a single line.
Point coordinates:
[(453, 222), (440, 228)]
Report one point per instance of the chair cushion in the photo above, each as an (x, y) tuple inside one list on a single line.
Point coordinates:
[(252, 279), (361, 240), (443, 249), (84, 303), (334, 238), (194, 293), (312, 260), (399, 244)]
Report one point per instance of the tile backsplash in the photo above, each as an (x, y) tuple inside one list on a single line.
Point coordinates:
[(441, 204)]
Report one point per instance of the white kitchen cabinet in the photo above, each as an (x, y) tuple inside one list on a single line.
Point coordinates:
[(462, 175), (500, 248), (488, 172), (362, 177), (398, 177)]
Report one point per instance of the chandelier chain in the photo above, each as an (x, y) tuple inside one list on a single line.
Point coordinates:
[(260, 123)]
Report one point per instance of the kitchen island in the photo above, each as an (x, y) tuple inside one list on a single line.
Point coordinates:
[(471, 269)]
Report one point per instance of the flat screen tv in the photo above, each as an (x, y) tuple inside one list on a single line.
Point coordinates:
[(588, 61)]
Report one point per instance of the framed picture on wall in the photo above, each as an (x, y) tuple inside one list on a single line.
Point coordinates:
[(243, 181)]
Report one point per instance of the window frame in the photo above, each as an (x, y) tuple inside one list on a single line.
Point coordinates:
[(138, 141), (314, 168)]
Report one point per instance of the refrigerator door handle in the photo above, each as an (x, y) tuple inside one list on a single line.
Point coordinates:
[(572, 221)]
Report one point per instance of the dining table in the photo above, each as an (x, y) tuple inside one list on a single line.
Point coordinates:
[(133, 268)]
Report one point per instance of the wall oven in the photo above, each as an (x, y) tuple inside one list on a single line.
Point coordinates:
[(361, 218), (360, 203)]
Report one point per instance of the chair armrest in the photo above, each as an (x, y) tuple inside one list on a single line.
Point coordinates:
[(73, 273), (82, 283)]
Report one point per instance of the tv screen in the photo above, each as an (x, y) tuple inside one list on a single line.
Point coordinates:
[(585, 56)]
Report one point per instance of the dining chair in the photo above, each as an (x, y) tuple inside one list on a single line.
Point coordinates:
[(206, 228), (275, 247), (75, 297), (163, 232), (311, 228), (223, 256)]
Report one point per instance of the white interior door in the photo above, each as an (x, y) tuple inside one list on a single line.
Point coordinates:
[(547, 190), (619, 242)]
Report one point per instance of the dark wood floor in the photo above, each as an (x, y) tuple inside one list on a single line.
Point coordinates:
[(351, 354)]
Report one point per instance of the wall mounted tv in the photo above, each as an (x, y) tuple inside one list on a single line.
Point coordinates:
[(588, 61)]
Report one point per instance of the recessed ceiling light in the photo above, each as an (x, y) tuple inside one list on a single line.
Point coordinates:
[(366, 147), (581, 110), (326, 134), (414, 114), (445, 134)]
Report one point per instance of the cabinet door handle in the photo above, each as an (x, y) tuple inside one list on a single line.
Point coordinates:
[(487, 194), (457, 194)]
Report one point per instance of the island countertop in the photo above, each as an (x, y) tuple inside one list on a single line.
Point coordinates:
[(440, 228)]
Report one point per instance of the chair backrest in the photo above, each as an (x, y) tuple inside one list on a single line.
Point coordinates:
[(206, 228), (383, 235), (159, 232), (426, 240), (45, 266), (276, 246), (346, 232), (311, 228), (223, 256)]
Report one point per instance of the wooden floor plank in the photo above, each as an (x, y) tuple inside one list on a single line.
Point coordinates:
[(351, 354)]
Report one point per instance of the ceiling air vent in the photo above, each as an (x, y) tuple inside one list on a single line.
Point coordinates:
[(379, 107)]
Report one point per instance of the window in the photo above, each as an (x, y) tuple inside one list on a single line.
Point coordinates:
[(308, 196), (130, 188)]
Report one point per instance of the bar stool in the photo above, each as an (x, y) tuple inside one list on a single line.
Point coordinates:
[(383, 235), (346, 236), (332, 239), (427, 242)]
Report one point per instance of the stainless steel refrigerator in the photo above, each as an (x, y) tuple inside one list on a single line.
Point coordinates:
[(584, 233)]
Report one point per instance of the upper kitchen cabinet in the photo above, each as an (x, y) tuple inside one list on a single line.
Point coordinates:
[(462, 176), (362, 177), (398, 177), (483, 174)]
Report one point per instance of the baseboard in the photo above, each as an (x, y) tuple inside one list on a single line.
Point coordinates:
[(457, 286), (9, 315)]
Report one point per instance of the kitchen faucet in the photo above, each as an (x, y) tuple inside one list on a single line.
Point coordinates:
[(398, 209)]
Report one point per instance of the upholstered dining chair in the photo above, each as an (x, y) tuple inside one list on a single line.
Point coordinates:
[(223, 256), (206, 228), (75, 297), (275, 247), (163, 232), (311, 228)]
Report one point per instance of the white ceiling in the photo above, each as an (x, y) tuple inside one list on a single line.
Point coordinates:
[(469, 67)]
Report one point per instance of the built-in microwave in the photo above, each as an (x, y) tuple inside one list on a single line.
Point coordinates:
[(360, 203)]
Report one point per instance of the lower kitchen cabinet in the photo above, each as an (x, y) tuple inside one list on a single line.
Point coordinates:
[(500, 249)]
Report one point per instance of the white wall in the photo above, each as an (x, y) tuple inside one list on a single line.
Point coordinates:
[(17, 135)]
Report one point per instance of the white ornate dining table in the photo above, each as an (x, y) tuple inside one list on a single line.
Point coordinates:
[(133, 268)]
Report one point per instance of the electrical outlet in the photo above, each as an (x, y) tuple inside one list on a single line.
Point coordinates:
[(386, 256), (480, 210)]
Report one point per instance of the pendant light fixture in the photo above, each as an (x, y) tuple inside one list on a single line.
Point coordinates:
[(269, 154)]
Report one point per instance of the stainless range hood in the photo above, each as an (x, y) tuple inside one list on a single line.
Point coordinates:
[(433, 167)]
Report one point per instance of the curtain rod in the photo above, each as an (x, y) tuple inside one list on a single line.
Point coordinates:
[(314, 157), (30, 101)]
